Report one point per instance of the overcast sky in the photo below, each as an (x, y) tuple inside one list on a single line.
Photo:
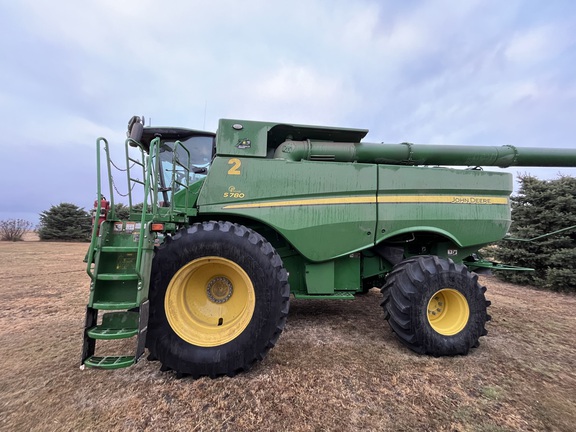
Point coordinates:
[(446, 72)]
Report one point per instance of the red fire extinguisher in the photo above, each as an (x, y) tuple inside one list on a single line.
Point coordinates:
[(104, 207)]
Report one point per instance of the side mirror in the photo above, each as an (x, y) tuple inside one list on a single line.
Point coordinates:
[(135, 128)]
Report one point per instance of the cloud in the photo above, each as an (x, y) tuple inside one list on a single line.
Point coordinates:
[(533, 46), (299, 93), (474, 72)]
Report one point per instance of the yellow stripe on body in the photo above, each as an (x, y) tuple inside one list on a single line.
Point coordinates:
[(307, 202), (390, 199)]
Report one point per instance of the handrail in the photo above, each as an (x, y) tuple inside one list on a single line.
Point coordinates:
[(153, 174), (112, 212), (96, 225), (150, 193), (132, 143), (186, 169), (150, 190)]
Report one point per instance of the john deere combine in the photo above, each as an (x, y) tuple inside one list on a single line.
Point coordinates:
[(234, 223)]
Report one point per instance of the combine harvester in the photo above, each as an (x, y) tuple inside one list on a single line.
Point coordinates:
[(233, 223)]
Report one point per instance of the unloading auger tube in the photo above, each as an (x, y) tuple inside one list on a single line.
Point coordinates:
[(421, 154)]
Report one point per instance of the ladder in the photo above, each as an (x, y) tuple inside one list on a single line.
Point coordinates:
[(119, 263), (119, 289), (121, 251)]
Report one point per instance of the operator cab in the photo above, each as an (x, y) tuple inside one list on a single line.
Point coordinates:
[(194, 152), (183, 153)]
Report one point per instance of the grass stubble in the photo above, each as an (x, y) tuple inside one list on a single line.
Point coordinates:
[(336, 367)]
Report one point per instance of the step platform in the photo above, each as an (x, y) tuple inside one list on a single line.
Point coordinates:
[(109, 362), (116, 325)]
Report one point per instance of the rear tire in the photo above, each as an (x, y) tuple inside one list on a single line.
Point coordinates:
[(219, 299), (435, 306)]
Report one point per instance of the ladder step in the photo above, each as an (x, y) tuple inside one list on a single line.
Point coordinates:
[(114, 305), (117, 276), (116, 325), (119, 249), (106, 333), (110, 362)]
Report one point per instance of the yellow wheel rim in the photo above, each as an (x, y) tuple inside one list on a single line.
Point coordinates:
[(448, 312), (210, 301)]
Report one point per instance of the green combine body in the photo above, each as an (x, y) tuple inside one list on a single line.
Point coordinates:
[(233, 223)]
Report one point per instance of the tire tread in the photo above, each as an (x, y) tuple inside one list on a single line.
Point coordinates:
[(159, 345), (402, 293)]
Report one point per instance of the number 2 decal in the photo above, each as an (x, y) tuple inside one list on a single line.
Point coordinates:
[(235, 168)]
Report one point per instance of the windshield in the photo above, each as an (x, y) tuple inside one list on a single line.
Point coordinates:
[(190, 156)]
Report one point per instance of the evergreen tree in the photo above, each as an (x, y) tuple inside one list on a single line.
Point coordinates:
[(541, 207), (65, 222), (122, 211)]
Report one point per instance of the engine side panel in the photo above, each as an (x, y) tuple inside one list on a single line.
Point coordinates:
[(324, 210)]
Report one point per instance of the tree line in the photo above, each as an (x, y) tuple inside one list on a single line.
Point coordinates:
[(542, 207), (62, 222)]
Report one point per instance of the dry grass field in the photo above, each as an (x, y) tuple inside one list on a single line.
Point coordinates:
[(337, 367)]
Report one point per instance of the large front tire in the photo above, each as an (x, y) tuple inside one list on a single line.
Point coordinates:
[(435, 306), (219, 299)]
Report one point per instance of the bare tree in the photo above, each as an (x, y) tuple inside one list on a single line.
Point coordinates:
[(14, 229)]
